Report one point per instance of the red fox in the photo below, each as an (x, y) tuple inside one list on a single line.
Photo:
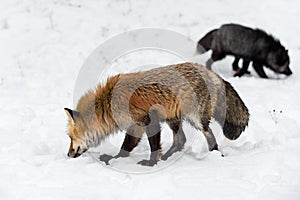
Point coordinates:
[(139, 102)]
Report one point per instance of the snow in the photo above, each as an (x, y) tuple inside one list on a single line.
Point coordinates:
[(43, 47)]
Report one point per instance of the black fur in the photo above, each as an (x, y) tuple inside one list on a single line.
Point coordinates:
[(248, 44), (179, 138), (232, 131), (237, 115), (153, 131), (129, 143), (205, 42)]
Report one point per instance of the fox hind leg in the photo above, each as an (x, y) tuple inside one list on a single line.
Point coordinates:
[(235, 64), (209, 136), (211, 140), (244, 69), (179, 138)]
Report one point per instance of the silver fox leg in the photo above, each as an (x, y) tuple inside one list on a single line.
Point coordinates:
[(209, 63), (235, 64), (215, 56), (259, 70), (244, 69)]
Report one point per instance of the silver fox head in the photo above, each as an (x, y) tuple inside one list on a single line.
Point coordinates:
[(279, 61)]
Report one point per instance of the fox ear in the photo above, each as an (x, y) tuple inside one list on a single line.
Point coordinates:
[(72, 114)]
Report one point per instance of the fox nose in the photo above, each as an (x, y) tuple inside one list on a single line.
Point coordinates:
[(71, 153), (74, 153), (288, 71)]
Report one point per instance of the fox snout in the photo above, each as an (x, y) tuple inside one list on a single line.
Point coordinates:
[(74, 153), (288, 71)]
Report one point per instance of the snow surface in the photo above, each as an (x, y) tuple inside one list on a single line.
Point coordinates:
[(45, 43)]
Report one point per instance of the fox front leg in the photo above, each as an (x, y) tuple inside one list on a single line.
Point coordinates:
[(132, 138), (259, 70), (235, 64), (153, 131)]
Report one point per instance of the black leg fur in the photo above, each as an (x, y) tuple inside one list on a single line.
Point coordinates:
[(153, 131), (129, 143), (210, 138), (235, 64), (259, 70), (179, 138), (214, 57)]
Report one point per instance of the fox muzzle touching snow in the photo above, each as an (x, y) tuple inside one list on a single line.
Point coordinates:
[(76, 150), (139, 102), (76, 134)]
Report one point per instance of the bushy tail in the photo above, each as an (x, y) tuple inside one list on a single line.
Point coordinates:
[(204, 44), (237, 115)]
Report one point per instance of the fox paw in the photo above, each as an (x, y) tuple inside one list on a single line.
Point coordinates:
[(240, 73), (106, 158), (149, 163), (165, 157), (168, 154), (171, 151), (215, 148)]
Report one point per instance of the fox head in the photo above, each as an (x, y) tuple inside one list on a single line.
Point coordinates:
[(278, 61), (77, 132)]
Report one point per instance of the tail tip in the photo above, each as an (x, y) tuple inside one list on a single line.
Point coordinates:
[(232, 131)]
